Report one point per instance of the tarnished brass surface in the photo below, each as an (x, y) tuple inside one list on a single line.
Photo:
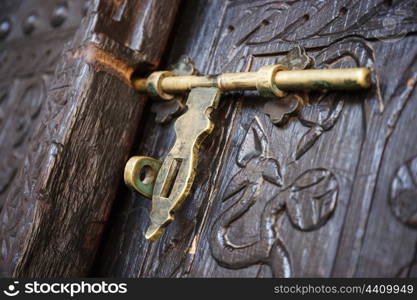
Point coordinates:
[(140, 174), (282, 80), (164, 110), (177, 172), (154, 84), (331, 79), (266, 84)]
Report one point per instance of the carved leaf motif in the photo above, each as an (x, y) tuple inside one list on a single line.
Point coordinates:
[(236, 184), (297, 58), (271, 171), (323, 111), (311, 198), (253, 145), (320, 118), (308, 140), (279, 110), (403, 196), (255, 172), (333, 116)]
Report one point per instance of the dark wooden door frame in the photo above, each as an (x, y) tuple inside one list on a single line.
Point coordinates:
[(55, 212)]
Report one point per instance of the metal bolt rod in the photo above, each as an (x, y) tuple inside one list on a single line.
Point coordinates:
[(291, 80)]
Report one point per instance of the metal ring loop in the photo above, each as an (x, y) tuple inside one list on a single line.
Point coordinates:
[(132, 174), (153, 84), (266, 85)]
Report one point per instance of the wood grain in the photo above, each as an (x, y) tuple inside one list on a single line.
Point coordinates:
[(30, 48), (56, 209)]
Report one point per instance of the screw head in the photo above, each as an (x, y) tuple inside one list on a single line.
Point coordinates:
[(5, 28), (59, 15), (30, 23)]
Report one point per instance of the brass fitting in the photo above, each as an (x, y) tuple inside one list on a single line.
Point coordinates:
[(271, 80)]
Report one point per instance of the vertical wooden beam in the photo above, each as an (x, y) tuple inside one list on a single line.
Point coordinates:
[(55, 213)]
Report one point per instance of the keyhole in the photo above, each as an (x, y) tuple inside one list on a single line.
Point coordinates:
[(147, 175)]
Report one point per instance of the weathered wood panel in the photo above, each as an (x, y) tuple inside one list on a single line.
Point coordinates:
[(56, 209), (330, 193), (32, 36)]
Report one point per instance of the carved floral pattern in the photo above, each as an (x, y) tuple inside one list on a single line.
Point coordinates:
[(308, 198), (309, 201)]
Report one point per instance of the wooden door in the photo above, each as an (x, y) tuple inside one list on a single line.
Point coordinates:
[(332, 192)]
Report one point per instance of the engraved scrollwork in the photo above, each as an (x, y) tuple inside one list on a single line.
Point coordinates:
[(313, 24)]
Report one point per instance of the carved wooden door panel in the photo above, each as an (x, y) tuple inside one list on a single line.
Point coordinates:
[(332, 191)]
